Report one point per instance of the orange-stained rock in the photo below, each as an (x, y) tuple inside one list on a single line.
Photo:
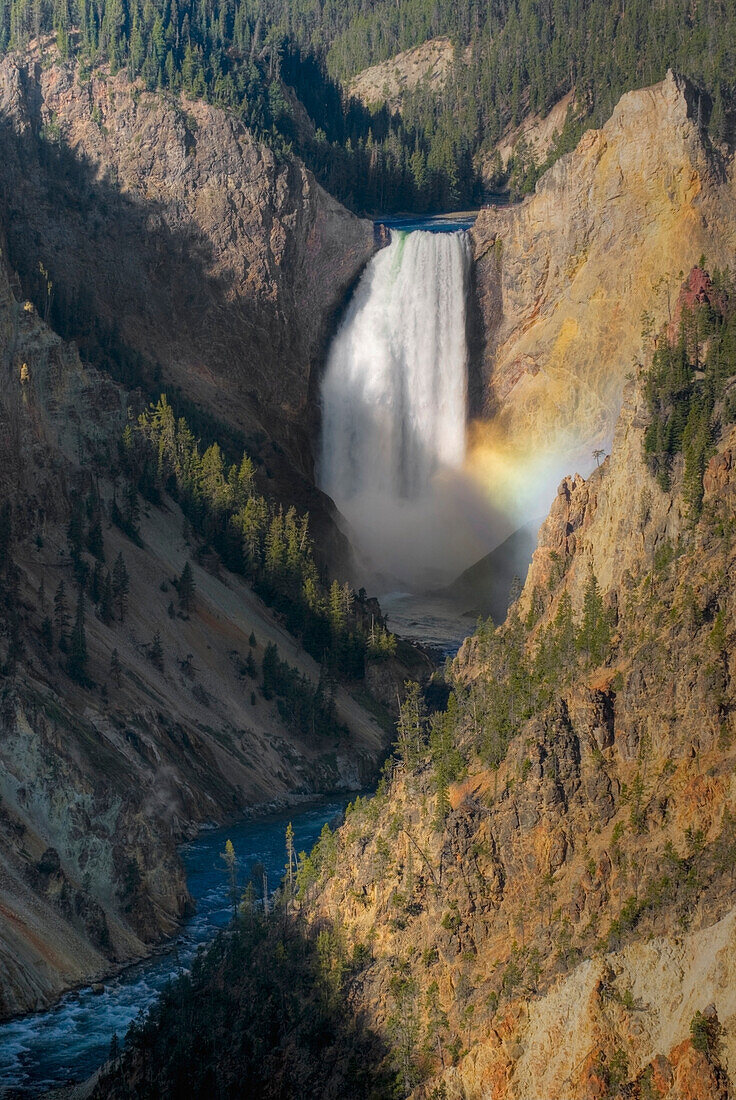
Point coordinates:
[(564, 276)]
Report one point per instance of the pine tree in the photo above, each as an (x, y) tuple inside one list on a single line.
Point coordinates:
[(275, 559), (115, 669), (106, 600), (186, 588), (132, 513), (231, 864), (594, 636), (120, 585), (246, 478), (290, 858), (95, 590), (95, 541), (156, 652), (445, 756), (437, 1021), (77, 660), (212, 478), (269, 669), (410, 726), (337, 609)]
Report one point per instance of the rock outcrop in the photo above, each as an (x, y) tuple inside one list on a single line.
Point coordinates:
[(427, 66), (564, 277), (537, 132), (100, 780), (181, 251), (563, 924)]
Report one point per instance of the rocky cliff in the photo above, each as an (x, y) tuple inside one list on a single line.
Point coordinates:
[(181, 251), (539, 900), (427, 66), (538, 133), (564, 277), (104, 771), (558, 919)]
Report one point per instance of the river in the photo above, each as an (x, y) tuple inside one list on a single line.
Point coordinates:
[(69, 1041), (440, 223)]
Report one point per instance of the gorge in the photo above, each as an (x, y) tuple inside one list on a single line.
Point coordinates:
[(72, 1040), (552, 838)]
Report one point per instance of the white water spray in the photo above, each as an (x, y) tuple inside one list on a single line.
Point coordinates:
[(394, 399)]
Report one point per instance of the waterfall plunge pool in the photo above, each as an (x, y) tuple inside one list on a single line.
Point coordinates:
[(71, 1040)]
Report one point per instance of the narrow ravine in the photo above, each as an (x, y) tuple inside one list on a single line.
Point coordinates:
[(71, 1040)]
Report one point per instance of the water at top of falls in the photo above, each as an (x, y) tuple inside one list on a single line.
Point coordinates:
[(394, 402), (436, 223)]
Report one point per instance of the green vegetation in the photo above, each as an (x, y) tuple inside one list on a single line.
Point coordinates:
[(255, 538), (491, 710), (185, 587), (705, 1032), (266, 1005), (510, 58), (322, 858), (310, 710), (594, 638), (689, 388)]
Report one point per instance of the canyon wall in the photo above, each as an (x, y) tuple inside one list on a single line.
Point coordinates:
[(184, 254), (564, 277), (101, 779), (563, 926), (539, 899)]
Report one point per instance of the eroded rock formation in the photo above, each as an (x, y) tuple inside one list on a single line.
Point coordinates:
[(564, 278), (182, 252), (99, 781), (565, 926)]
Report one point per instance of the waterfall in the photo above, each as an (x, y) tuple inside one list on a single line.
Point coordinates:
[(394, 398)]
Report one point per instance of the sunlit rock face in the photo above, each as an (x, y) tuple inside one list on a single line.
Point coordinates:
[(563, 280)]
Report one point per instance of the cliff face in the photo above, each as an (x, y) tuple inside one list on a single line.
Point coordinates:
[(537, 132), (559, 920), (100, 780), (179, 248), (564, 277), (428, 66)]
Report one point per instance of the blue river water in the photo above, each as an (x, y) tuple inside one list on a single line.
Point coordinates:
[(446, 223), (69, 1041)]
